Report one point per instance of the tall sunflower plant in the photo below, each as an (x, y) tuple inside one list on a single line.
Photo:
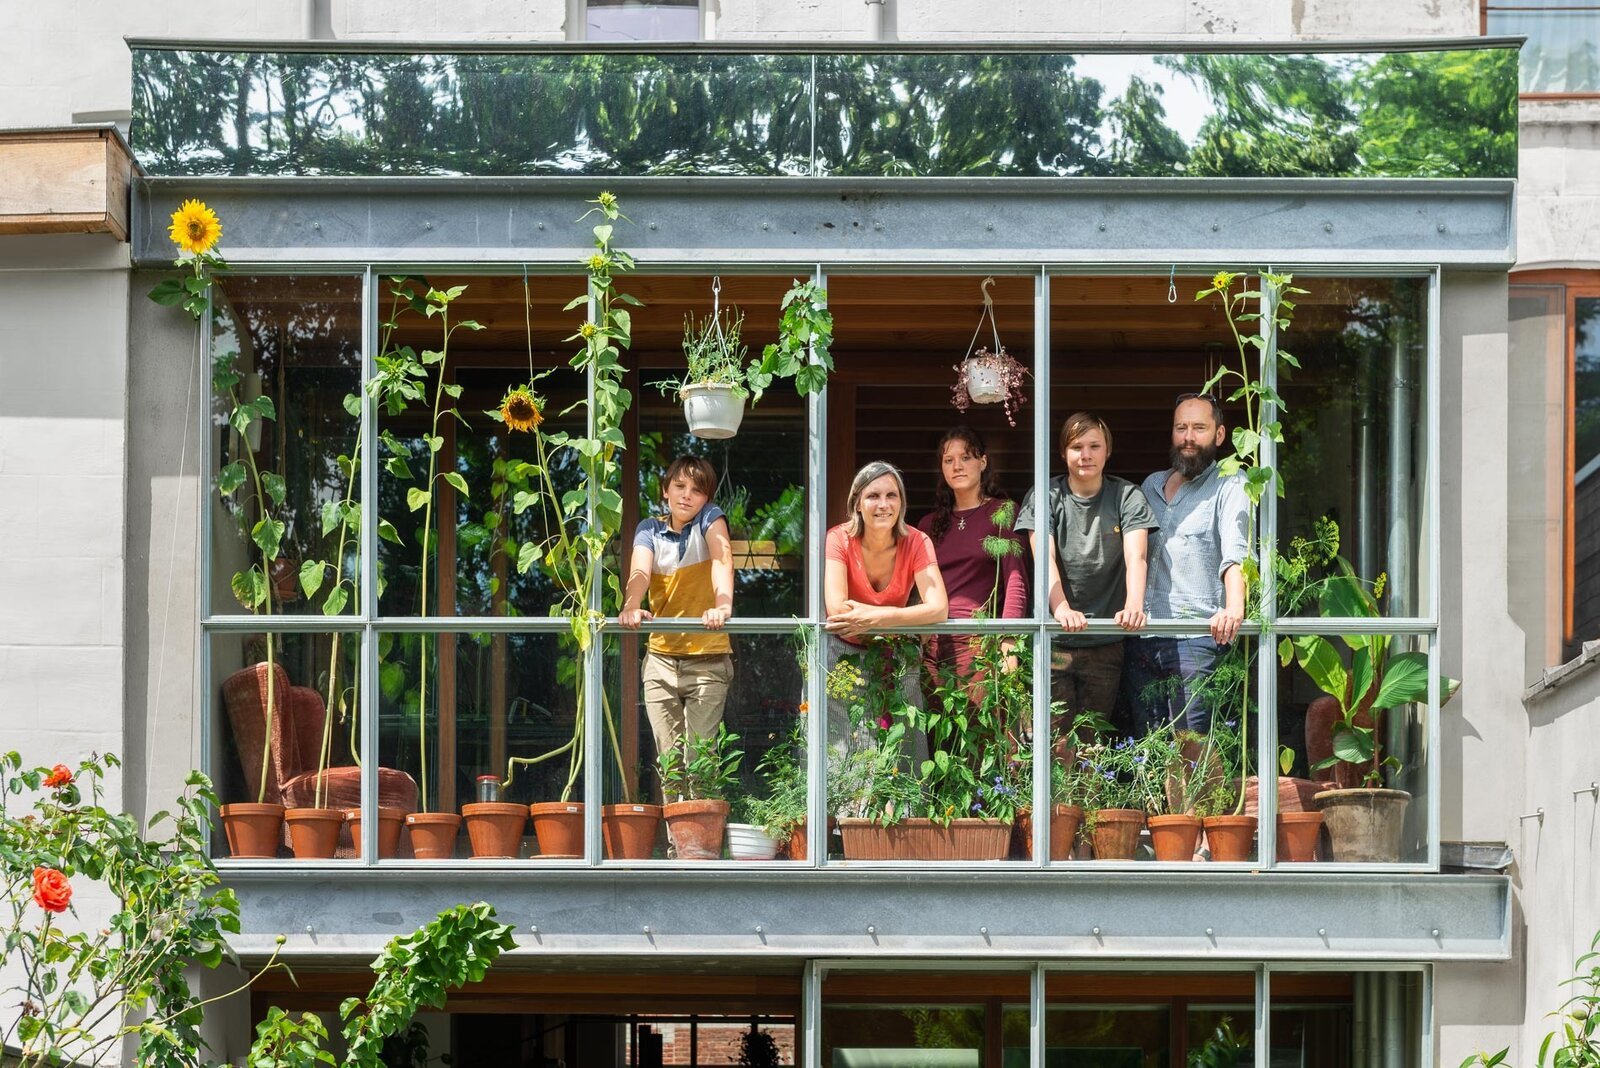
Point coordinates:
[(580, 524)]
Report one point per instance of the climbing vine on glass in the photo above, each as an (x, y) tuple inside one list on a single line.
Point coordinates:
[(1251, 390)]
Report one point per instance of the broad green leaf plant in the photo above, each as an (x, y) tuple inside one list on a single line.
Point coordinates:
[(415, 972), (82, 992)]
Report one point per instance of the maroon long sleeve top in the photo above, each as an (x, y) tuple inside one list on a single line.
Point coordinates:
[(969, 572)]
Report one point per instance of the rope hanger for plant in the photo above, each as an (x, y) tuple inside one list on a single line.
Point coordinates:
[(1172, 285), (987, 312)]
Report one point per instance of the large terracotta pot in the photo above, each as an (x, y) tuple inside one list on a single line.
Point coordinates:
[(1116, 833), (1231, 838), (696, 828), (495, 828), (923, 839), (433, 834), (314, 832), (253, 830), (1174, 837), (558, 827), (629, 831), (390, 820), (1064, 823), (1364, 824), (1298, 836)]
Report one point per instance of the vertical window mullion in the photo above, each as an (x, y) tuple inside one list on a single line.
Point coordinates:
[(817, 840), (367, 703), (1037, 1010), (207, 463), (1435, 776), (1043, 750), (1263, 1029), (1266, 661), (592, 666)]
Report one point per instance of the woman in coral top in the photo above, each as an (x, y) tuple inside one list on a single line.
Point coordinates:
[(874, 563)]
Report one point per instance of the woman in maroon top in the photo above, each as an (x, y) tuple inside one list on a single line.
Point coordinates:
[(966, 501)]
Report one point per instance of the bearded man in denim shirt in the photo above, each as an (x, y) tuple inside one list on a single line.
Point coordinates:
[(1197, 549)]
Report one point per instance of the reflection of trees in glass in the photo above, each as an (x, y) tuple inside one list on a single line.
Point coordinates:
[(1445, 113), (1586, 393), (1276, 116)]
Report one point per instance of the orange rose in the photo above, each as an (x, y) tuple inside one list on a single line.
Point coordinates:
[(51, 890), (59, 776)]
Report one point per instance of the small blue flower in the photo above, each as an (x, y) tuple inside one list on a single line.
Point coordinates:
[(1138, 758), (1111, 777), (1230, 723), (976, 807)]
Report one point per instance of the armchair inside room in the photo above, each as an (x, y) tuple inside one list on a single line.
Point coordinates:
[(293, 748)]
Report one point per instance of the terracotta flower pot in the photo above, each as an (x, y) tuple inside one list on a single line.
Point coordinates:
[(390, 820), (314, 832), (1231, 838), (253, 830), (797, 842), (923, 839), (1298, 835), (696, 828), (1364, 824), (1116, 833), (1174, 837), (629, 831), (433, 834), (558, 828), (495, 828), (1064, 823)]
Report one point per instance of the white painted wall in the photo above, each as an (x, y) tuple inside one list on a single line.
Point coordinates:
[(1558, 194)]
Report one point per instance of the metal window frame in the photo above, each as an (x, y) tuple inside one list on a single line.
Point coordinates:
[(367, 620)]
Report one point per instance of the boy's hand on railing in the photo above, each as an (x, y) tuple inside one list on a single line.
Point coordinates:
[(1131, 617), (714, 618), (632, 617), (1070, 618)]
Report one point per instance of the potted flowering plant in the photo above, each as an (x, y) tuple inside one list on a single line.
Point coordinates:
[(1121, 783), (768, 823), (989, 376), (1069, 785)]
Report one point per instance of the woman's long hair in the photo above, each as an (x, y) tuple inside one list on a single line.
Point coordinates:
[(868, 474), (944, 498)]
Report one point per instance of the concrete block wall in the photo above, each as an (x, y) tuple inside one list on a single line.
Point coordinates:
[(1558, 195)]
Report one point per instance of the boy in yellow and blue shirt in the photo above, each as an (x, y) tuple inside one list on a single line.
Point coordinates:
[(684, 561)]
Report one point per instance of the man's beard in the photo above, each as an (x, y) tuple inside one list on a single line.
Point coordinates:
[(1191, 465)]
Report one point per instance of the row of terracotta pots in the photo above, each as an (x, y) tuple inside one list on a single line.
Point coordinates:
[(1115, 835), (494, 829)]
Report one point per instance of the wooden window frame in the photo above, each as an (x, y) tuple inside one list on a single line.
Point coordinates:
[(1483, 28), (1576, 285)]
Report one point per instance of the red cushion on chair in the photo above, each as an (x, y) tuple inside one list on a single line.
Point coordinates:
[(342, 789)]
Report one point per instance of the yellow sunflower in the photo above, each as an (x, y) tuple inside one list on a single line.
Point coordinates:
[(521, 409), (1221, 280), (195, 228)]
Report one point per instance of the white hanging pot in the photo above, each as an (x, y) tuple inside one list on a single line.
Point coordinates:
[(746, 841), (712, 409), (984, 382)]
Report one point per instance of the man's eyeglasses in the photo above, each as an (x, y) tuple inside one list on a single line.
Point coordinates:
[(1208, 398)]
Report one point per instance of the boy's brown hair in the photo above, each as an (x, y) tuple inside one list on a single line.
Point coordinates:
[(1080, 423), (696, 470)]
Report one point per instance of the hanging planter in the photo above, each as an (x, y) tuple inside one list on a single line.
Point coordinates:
[(989, 376), (713, 410)]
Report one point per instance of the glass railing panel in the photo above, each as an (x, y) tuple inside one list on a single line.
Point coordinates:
[(705, 749), (485, 719), (285, 424), (1355, 456), (1354, 737), (285, 735), (927, 746), (1154, 747)]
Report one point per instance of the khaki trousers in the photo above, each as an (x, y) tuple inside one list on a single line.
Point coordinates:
[(685, 695)]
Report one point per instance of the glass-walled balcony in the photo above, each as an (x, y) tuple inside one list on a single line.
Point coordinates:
[(840, 623)]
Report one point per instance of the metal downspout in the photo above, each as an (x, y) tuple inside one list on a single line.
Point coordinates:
[(875, 20)]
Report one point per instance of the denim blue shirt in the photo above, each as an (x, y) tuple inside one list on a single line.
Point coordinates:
[(1201, 533)]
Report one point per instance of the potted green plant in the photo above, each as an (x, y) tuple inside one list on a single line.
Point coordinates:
[(1068, 783), (1121, 782), (1368, 681), (1188, 767), (718, 381), (582, 525), (777, 817), (699, 774)]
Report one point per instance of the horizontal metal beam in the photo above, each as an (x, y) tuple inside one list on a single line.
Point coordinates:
[(792, 223), (807, 913)]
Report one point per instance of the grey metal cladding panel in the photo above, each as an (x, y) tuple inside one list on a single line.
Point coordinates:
[(1028, 915), (846, 221)]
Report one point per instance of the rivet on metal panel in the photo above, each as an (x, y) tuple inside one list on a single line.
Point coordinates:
[(1095, 931), (1322, 932), (1210, 933), (1100, 226), (645, 928), (1216, 227), (1434, 933), (1327, 227), (1442, 228)]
